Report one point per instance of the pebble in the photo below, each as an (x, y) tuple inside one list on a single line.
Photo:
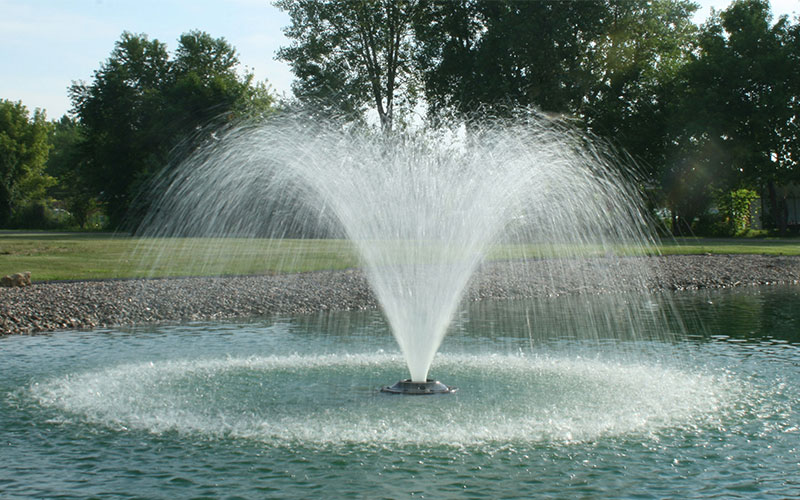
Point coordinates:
[(56, 306)]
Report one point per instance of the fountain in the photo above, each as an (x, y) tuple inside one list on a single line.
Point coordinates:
[(422, 208), (566, 387)]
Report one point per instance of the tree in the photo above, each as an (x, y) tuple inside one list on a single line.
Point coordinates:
[(499, 55), (743, 88), (203, 86), (608, 65), (142, 105), (789, 152), (635, 63), (347, 53), (23, 154), (66, 164), (122, 115)]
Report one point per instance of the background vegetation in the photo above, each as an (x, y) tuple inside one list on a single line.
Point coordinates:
[(709, 113)]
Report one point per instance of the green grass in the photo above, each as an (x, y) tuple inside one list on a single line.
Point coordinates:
[(76, 256), (64, 256), (766, 246)]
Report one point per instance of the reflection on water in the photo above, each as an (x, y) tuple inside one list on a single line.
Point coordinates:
[(288, 408), (765, 313)]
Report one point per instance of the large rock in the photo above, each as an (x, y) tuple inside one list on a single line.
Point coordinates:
[(18, 279)]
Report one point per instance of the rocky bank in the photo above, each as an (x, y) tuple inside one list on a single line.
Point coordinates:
[(90, 304)]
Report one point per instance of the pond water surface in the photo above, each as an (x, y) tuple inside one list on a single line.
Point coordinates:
[(697, 407)]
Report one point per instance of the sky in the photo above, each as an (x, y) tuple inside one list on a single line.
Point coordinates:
[(45, 45)]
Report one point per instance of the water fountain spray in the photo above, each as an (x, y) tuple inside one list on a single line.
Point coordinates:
[(423, 209)]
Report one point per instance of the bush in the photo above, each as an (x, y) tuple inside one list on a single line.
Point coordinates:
[(34, 215), (734, 207), (45, 216)]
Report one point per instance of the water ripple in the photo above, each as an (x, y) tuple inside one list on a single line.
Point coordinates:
[(319, 399)]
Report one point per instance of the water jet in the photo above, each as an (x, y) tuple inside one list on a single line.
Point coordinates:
[(424, 209)]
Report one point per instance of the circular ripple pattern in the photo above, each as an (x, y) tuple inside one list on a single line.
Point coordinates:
[(318, 400)]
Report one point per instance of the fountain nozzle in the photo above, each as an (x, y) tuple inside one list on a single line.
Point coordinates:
[(412, 388)]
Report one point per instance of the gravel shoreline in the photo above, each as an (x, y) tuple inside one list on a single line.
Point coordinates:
[(92, 304)]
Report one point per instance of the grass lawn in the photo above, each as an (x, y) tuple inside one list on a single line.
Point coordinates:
[(75, 256), (767, 246), (66, 256)]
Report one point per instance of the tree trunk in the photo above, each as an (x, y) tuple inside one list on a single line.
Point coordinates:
[(5, 206), (674, 216), (777, 209)]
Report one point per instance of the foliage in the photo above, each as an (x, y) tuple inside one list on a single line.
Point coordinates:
[(602, 63), (23, 153), (496, 55), (634, 66), (741, 101), (67, 165), (698, 109), (40, 215), (687, 194), (143, 110), (203, 88), (612, 67), (702, 111), (347, 53), (735, 208), (122, 115)]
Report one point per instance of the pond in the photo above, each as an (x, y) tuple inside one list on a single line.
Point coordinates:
[(703, 405)]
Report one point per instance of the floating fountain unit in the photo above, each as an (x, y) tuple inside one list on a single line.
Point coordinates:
[(411, 388)]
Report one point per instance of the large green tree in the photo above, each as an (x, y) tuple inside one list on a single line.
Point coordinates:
[(742, 102), (494, 56), (203, 86), (634, 65), (122, 111), (610, 66), (144, 109), (23, 155), (348, 54)]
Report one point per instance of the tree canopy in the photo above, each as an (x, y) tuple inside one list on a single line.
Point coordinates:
[(67, 164), (739, 113), (141, 104), (701, 110), (23, 155), (710, 113), (346, 53), (479, 54)]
